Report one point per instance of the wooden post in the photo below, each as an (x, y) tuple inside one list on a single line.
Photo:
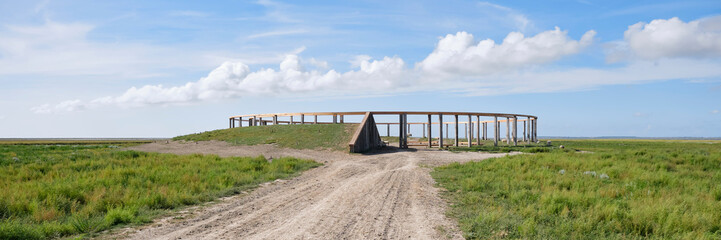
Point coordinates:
[(495, 131), (430, 140), (341, 118), (291, 120), (240, 122), (508, 130), (315, 119), (447, 130), (388, 130), (515, 131), (456, 117), (470, 131), (535, 129), (275, 119), (485, 131), (528, 133), (335, 118), (405, 136), (302, 119), (478, 130), (440, 130), (400, 130), (261, 121), (230, 123), (524, 131), (424, 130)]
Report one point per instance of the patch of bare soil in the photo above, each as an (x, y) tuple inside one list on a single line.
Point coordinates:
[(387, 195)]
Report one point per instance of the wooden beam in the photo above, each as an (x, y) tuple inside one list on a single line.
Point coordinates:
[(385, 113)]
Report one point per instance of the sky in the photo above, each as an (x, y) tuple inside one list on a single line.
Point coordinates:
[(166, 68)]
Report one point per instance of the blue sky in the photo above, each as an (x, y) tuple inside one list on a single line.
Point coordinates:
[(165, 68)]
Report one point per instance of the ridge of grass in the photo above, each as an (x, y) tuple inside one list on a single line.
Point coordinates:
[(622, 190), (50, 191), (300, 136)]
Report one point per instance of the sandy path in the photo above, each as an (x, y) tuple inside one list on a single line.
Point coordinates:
[(380, 196)]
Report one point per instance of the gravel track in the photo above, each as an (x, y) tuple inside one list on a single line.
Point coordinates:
[(388, 195)]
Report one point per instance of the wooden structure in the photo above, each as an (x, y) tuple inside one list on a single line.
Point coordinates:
[(367, 135)]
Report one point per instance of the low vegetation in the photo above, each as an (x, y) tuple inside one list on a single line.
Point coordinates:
[(51, 191), (306, 136), (619, 189)]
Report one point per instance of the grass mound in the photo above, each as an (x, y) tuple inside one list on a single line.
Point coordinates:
[(624, 189), (49, 191), (307, 136)]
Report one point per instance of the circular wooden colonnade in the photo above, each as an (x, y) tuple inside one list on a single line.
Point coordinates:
[(529, 125)]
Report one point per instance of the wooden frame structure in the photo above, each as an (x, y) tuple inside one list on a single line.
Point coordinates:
[(530, 126)]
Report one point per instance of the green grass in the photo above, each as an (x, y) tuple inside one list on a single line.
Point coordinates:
[(308, 136), (622, 190), (49, 191)]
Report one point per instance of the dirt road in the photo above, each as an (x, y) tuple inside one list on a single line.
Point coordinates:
[(381, 196)]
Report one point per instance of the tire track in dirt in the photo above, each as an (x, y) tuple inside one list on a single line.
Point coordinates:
[(378, 196)]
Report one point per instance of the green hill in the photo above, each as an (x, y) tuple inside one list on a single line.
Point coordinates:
[(309, 136)]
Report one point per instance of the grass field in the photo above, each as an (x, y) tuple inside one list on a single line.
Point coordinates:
[(624, 189), (49, 191), (307, 136)]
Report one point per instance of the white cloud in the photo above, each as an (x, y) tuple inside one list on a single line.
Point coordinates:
[(63, 49), (716, 111), (277, 33), (65, 106), (520, 21), (459, 63), (235, 79), (673, 37), (188, 13), (461, 54)]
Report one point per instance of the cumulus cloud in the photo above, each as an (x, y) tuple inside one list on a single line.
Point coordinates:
[(461, 64), (235, 79), (65, 106), (460, 53), (669, 38)]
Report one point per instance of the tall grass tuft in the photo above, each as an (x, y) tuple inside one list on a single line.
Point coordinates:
[(623, 189), (49, 191)]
